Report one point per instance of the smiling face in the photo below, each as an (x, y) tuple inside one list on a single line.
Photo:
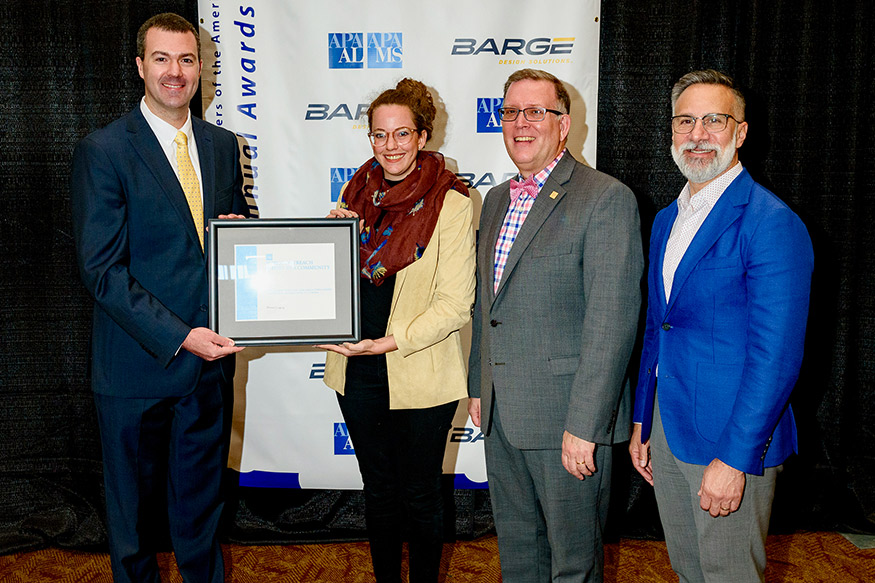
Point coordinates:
[(396, 160), (532, 145), (170, 70), (702, 156)]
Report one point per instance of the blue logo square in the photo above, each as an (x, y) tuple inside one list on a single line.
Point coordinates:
[(385, 50), (342, 442), (346, 50), (488, 120), (339, 177)]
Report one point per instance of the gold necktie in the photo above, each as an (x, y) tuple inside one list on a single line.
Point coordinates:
[(190, 185)]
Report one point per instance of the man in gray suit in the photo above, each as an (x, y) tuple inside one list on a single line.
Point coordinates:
[(559, 268)]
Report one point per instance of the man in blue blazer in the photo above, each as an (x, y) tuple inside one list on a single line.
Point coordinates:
[(158, 373), (729, 279)]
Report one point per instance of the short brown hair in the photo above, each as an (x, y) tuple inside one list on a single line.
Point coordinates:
[(415, 96), (166, 21), (709, 77), (562, 98)]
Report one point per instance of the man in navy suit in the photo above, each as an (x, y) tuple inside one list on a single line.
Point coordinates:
[(729, 280), (158, 373)]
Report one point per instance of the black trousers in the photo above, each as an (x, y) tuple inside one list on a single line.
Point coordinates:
[(400, 455)]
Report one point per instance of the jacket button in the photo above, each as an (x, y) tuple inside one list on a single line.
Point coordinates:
[(203, 308), (666, 326), (494, 323)]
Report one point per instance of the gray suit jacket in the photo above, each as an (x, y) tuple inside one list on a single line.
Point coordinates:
[(551, 348)]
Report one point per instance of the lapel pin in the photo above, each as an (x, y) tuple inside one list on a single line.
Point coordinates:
[(554, 194)]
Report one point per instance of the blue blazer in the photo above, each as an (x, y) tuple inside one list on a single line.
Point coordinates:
[(729, 340), (139, 255)]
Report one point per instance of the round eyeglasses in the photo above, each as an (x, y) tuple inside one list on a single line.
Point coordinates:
[(530, 113), (402, 136), (711, 123)]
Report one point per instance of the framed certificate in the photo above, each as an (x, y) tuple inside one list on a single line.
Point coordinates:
[(284, 281)]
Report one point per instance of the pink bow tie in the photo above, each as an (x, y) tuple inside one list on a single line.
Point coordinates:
[(528, 186)]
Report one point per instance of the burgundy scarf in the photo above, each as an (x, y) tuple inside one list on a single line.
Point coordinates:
[(407, 212)]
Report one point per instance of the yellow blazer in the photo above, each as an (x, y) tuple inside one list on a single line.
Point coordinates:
[(432, 300)]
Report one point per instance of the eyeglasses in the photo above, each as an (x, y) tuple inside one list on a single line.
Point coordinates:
[(530, 113), (402, 136), (711, 123)]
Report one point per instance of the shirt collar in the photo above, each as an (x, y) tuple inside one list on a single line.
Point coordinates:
[(710, 194), (164, 131), (542, 176)]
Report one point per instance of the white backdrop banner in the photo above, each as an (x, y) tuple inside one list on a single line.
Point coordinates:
[(293, 81)]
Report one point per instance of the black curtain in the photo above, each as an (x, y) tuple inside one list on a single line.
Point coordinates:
[(806, 67), (66, 68)]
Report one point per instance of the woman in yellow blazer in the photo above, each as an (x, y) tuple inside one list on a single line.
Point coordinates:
[(398, 389)]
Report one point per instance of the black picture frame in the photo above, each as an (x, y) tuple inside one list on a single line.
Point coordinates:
[(289, 282)]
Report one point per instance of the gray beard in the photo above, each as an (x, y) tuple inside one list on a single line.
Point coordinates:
[(699, 172)]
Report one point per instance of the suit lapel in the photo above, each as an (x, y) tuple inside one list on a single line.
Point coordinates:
[(145, 143), (727, 210), (663, 230), (502, 194), (548, 198), (207, 155)]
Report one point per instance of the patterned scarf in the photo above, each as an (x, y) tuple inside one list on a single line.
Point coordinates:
[(407, 212)]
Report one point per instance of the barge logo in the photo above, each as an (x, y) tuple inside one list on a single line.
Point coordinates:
[(317, 371), (327, 111), (487, 180), (350, 50), (488, 120), (339, 177), (466, 435), (514, 46)]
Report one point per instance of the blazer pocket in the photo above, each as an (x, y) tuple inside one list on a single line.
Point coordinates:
[(224, 199), (563, 365), (716, 389), (719, 263), (553, 250)]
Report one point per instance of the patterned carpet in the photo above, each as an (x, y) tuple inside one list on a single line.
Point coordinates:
[(801, 557)]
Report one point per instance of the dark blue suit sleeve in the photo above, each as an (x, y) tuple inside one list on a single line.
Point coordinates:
[(100, 228)]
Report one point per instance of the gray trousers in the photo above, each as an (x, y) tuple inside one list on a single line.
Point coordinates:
[(550, 524), (704, 549)]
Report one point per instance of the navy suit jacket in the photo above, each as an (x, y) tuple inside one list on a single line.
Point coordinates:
[(728, 342), (139, 255)]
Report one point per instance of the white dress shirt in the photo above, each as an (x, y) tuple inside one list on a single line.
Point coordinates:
[(692, 212), (166, 135)]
